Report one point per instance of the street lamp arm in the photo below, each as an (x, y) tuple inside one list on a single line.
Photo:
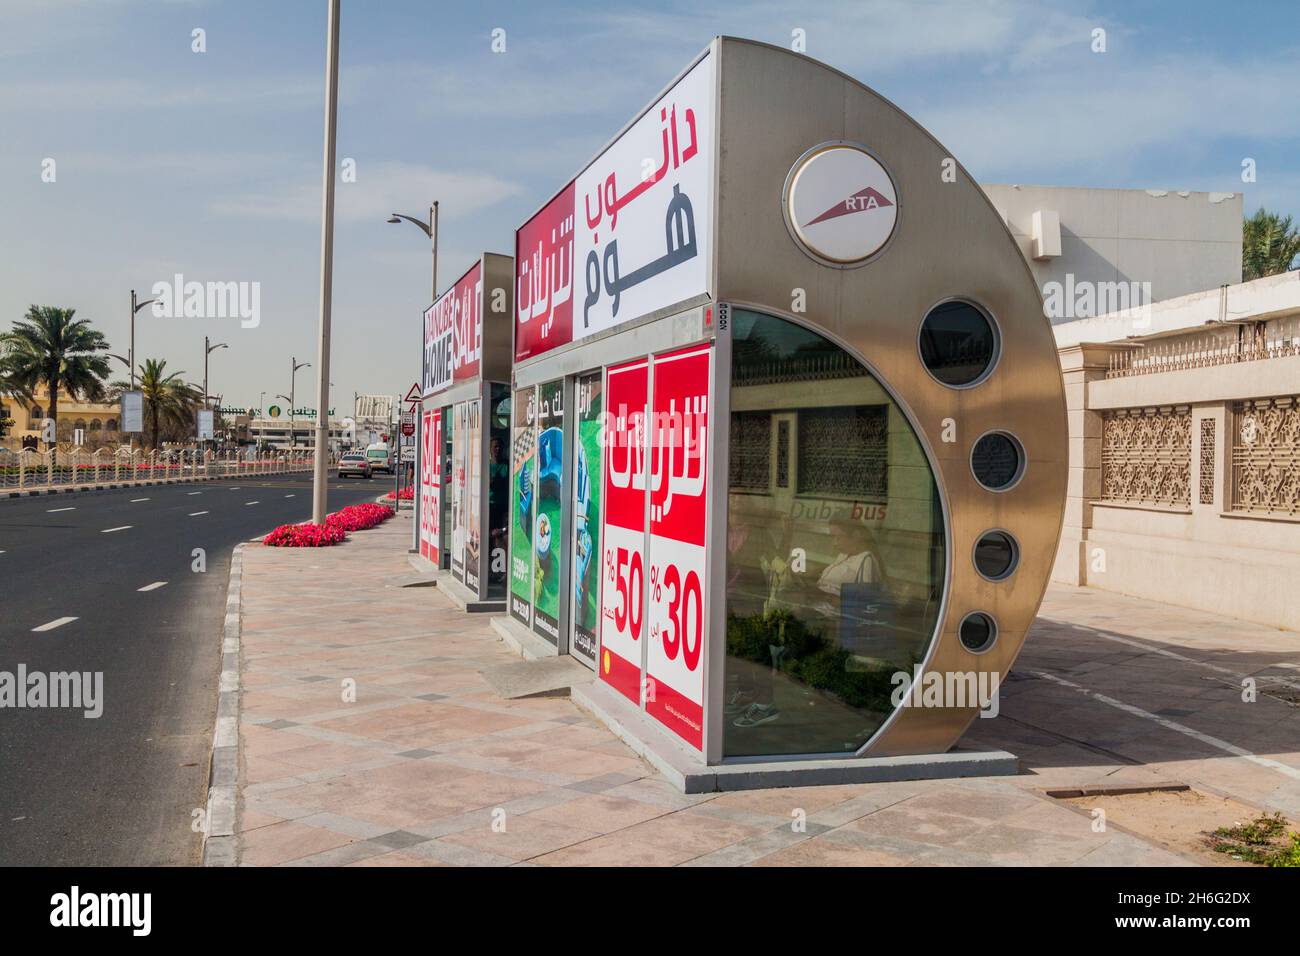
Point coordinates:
[(141, 305), (424, 226)]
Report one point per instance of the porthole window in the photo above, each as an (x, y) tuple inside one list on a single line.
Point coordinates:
[(997, 461), (958, 343), (996, 555), (978, 632)]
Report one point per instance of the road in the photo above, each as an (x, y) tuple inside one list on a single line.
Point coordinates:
[(107, 583)]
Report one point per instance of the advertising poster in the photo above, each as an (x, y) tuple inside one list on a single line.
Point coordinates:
[(430, 483), (131, 411), (498, 479), (587, 495), (622, 532), (473, 491), (679, 471), (204, 430), (548, 545), (632, 234), (544, 278), (458, 446), (523, 448), (453, 333)]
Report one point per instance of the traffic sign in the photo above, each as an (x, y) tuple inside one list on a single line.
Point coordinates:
[(414, 396)]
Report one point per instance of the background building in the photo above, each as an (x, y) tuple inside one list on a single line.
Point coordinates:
[(98, 420), (1177, 242), (1184, 433)]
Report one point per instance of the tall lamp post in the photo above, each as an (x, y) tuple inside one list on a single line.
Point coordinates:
[(320, 461), (430, 229)]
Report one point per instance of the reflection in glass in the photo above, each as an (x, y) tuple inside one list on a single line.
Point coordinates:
[(835, 545), (957, 343), (977, 632), (995, 555)]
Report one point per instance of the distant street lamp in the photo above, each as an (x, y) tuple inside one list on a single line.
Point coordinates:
[(293, 437), (208, 350), (135, 307)]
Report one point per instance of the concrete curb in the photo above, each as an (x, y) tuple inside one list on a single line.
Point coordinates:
[(219, 847)]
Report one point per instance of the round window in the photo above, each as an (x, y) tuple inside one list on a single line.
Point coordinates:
[(959, 343), (996, 555), (978, 632), (997, 461)]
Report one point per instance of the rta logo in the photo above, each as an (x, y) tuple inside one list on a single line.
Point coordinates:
[(841, 204), (862, 200)]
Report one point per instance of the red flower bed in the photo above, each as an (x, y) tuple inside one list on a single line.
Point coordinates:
[(408, 494), (333, 531), (306, 535), (359, 517)]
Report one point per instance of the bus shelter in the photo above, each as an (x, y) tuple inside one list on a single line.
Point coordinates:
[(463, 434), (787, 428)]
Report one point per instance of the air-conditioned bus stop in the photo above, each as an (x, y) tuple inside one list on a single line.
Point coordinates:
[(463, 448), (787, 429)]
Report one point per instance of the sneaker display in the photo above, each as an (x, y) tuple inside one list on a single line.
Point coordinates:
[(757, 715)]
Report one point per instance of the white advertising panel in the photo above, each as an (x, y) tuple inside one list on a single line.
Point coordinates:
[(631, 235), (205, 430), (132, 411)]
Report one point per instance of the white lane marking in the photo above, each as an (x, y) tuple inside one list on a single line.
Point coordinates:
[(290, 496), (247, 503), (1215, 742), (134, 500), (1182, 657), (50, 511), (111, 530), (195, 514), (194, 492), (57, 622), (152, 587)]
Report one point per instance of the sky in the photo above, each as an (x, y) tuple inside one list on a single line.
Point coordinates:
[(209, 164)]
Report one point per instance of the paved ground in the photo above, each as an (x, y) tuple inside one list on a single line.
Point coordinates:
[(111, 577), (429, 767)]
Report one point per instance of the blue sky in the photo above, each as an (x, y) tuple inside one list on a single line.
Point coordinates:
[(210, 164)]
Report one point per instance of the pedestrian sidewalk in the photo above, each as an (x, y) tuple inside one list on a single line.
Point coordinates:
[(426, 766)]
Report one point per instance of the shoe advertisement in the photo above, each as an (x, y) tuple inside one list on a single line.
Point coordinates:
[(523, 447), (548, 552), (586, 519)]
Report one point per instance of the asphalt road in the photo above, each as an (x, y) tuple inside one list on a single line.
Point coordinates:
[(120, 789)]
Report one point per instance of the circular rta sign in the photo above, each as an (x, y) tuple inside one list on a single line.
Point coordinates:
[(840, 204)]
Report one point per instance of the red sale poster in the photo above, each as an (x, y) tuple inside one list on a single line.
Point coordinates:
[(679, 464), (622, 601), (430, 483)]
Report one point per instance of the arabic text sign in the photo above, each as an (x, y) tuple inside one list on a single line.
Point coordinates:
[(544, 278), (622, 532), (631, 235), (679, 463), (453, 333)]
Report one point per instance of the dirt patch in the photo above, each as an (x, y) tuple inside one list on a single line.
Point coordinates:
[(1181, 821)]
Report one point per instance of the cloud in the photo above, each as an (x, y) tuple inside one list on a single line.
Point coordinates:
[(380, 189)]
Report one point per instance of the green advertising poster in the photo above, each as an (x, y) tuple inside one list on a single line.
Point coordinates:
[(586, 520), (523, 447), (548, 546)]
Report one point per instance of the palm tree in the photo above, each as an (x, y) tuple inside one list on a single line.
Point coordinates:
[(49, 347), (168, 399), (1269, 245)]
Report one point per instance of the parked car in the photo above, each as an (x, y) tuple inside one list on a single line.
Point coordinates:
[(354, 463), (381, 458)]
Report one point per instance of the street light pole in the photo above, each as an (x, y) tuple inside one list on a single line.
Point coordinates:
[(430, 229), (135, 307), (293, 405), (320, 469)]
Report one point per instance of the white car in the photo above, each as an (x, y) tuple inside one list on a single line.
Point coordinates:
[(380, 458), (354, 463)]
